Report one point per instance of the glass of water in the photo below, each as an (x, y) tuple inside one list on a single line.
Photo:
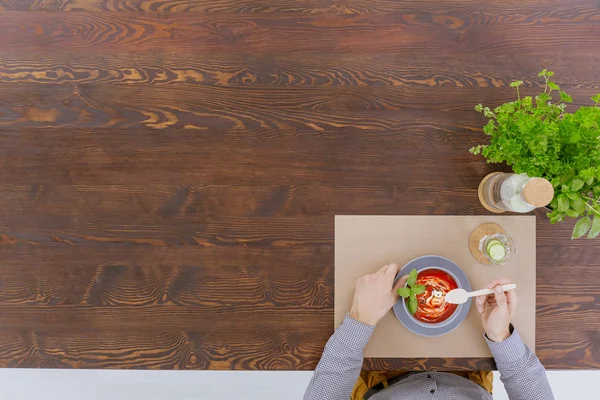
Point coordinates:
[(497, 248)]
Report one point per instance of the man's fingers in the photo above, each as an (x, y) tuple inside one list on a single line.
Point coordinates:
[(391, 269), (500, 297), (481, 299), (511, 296), (389, 272), (387, 268), (384, 268), (400, 283), (498, 281), (513, 300), (480, 302)]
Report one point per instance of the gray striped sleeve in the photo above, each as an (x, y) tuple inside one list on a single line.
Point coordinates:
[(341, 362), (523, 375)]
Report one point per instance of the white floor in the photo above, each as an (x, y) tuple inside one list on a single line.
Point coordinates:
[(23, 384)]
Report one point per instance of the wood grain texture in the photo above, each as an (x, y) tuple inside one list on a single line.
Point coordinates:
[(242, 280), (337, 157), (160, 232), (119, 201), (239, 108), (294, 69), (215, 108), (170, 169), (462, 31), (269, 6), (112, 349), (212, 107)]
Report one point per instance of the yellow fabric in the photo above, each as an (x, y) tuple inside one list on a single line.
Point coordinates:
[(485, 379), (369, 379)]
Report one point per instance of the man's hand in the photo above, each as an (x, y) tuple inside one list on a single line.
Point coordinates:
[(497, 310), (376, 294)]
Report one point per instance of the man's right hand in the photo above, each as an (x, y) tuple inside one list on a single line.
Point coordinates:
[(375, 294), (497, 310)]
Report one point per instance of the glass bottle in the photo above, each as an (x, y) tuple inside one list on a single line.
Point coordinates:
[(500, 192)]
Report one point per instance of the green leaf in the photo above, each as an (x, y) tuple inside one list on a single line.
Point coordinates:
[(404, 292), (563, 203), (558, 217), (576, 184), (412, 277), (581, 227), (549, 73), (543, 97), (413, 304), (597, 190), (543, 73), (596, 98), (572, 213), (553, 86), (578, 205), (565, 97), (419, 289), (595, 230), (516, 83), (489, 128), (477, 149)]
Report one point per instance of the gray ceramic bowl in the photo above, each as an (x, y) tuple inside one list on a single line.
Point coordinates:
[(444, 327)]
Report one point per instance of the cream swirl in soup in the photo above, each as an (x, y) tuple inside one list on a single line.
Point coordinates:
[(432, 304)]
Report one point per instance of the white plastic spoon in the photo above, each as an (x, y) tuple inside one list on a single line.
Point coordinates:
[(460, 296)]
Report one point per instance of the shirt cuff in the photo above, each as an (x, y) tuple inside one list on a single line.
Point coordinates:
[(354, 334), (509, 350)]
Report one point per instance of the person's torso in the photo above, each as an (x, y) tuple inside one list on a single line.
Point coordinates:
[(433, 386)]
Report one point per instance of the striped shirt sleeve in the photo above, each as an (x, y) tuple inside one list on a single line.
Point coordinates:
[(341, 362), (522, 373)]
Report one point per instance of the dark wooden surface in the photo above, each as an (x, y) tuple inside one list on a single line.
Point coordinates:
[(169, 170)]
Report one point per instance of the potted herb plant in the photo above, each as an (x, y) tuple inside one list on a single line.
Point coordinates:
[(538, 137)]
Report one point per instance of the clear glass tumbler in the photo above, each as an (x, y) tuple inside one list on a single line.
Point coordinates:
[(497, 248)]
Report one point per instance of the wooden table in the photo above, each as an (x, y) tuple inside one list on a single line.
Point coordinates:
[(169, 170)]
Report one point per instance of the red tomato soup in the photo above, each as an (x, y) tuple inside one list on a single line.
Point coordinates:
[(432, 304)]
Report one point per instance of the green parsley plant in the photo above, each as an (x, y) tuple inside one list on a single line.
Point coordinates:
[(538, 137)]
